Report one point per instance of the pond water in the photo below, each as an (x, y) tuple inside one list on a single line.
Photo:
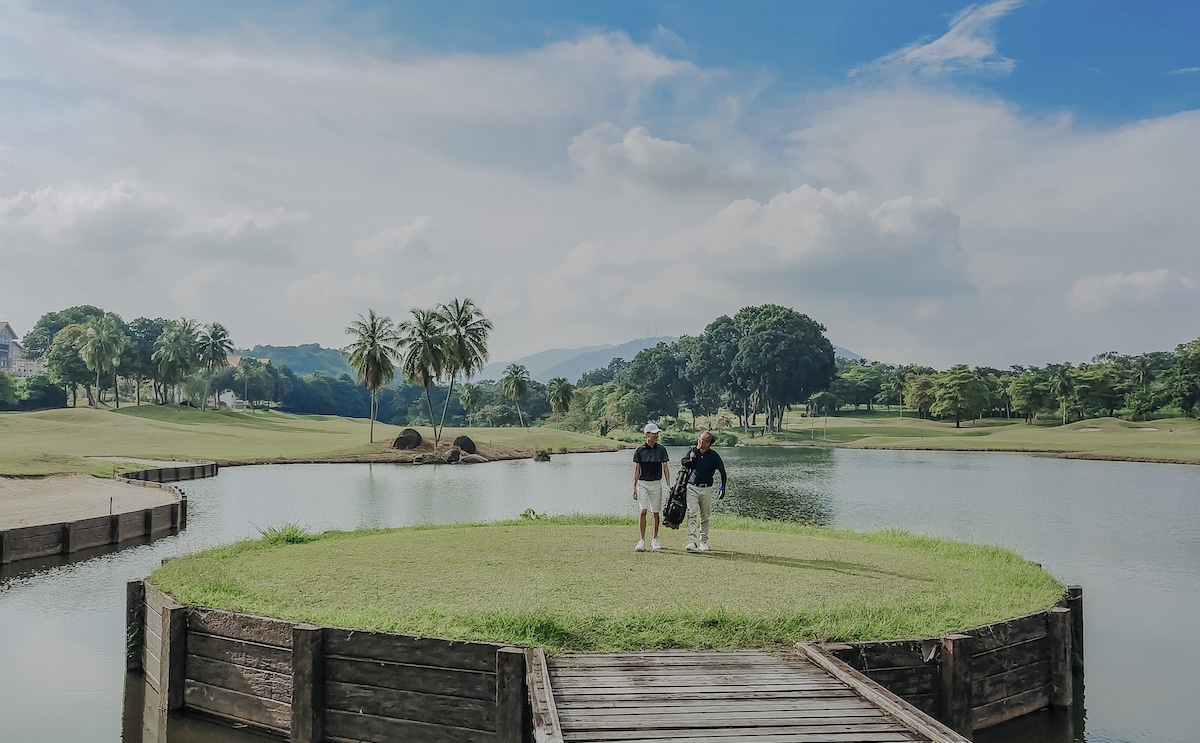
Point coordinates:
[(1127, 532)]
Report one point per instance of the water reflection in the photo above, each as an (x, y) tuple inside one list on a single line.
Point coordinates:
[(1126, 531), (782, 484)]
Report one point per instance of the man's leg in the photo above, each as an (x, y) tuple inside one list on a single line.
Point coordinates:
[(693, 511), (656, 500), (705, 503)]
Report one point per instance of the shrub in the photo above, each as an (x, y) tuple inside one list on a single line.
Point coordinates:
[(726, 438), (289, 533)]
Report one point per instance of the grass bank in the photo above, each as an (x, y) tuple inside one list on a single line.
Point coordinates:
[(57, 441), (1167, 440), (575, 584)]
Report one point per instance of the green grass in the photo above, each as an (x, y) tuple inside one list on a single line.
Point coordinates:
[(1172, 439), (575, 584), (53, 441)]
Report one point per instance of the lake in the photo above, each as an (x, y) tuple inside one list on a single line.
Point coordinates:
[(1128, 532)]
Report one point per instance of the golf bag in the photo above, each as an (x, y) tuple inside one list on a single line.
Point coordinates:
[(675, 509)]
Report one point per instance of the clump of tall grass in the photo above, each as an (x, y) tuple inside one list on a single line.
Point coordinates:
[(289, 533)]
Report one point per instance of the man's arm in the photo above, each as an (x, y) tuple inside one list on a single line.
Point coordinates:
[(637, 473), (721, 469)]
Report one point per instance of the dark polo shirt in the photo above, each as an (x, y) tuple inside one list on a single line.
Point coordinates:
[(704, 465), (651, 460)]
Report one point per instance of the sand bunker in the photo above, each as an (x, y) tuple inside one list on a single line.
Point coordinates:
[(28, 501), (1145, 429), (1086, 430)]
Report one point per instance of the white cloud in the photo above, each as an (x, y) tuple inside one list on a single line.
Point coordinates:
[(1096, 292), (412, 238), (1184, 71), (969, 46)]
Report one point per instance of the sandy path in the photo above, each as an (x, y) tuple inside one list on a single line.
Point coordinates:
[(27, 501)]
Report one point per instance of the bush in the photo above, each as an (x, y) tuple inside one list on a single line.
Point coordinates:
[(726, 438)]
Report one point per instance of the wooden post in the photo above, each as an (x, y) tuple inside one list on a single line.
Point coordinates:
[(544, 712), (956, 684), (3, 547), (182, 512), (135, 624), (148, 521), (308, 683), (68, 538), (172, 657), (1059, 634), (510, 695), (114, 535), (1074, 602)]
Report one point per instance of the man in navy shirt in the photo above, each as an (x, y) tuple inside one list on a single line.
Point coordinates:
[(703, 463), (650, 471)]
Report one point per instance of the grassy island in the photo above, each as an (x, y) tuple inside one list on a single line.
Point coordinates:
[(575, 584)]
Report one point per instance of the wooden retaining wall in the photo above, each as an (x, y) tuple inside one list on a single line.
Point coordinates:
[(43, 540), (311, 683), (985, 675)]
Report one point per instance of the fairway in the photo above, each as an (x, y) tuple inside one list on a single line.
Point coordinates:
[(1168, 440), (55, 441), (575, 584)]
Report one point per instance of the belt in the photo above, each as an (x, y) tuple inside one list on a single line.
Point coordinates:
[(694, 485)]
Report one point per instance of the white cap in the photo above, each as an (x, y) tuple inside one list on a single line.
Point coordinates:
[(651, 428)]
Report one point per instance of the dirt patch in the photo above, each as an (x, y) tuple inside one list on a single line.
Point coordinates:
[(29, 501)]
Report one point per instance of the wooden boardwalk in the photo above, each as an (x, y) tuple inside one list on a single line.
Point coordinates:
[(719, 697)]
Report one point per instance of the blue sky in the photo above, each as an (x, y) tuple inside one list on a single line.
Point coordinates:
[(936, 182)]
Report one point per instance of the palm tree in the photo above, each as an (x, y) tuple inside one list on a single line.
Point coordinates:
[(105, 340), (466, 344), (422, 346), (176, 352), (514, 384), (373, 355), (1062, 384), (469, 396), (559, 392), (212, 348)]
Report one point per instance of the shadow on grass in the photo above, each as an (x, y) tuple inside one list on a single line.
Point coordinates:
[(835, 566)]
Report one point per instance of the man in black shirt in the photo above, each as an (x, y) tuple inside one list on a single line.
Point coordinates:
[(650, 471), (703, 463)]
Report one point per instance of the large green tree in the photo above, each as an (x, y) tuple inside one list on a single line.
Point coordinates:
[(422, 344), (514, 384), (65, 361), (104, 342), (783, 357), (176, 352), (38, 340), (466, 331), (213, 347), (138, 361), (373, 355), (560, 393), (959, 392)]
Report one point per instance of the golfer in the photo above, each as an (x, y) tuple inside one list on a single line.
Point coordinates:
[(650, 471), (703, 463)]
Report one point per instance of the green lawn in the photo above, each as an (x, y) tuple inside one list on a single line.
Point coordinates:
[(1172, 439), (575, 584), (54, 441)]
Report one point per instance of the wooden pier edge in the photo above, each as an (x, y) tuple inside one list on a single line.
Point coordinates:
[(543, 710), (905, 713), (46, 540)]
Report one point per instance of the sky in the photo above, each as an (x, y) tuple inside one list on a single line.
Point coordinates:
[(1012, 182)]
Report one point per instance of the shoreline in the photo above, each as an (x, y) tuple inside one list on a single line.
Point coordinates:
[(39, 500)]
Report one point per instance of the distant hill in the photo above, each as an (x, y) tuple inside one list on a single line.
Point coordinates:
[(572, 363), (846, 353), (303, 360)]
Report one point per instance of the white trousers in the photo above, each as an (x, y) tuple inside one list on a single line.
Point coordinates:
[(700, 502)]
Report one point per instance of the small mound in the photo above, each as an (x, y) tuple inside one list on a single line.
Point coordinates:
[(1146, 428), (1087, 430), (576, 584)]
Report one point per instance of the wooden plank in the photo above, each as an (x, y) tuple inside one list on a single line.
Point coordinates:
[(543, 710), (240, 708), (770, 735), (1010, 632), (135, 624), (130, 526), (475, 714), (406, 677), (160, 519), (240, 652), (696, 719), (905, 681), (265, 684), (242, 627), (1058, 626), (1074, 602), (851, 706), (621, 660), (472, 656), (352, 727), (307, 684), (511, 695), (872, 692), (1010, 707), (1010, 657), (29, 542), (622, 696), (172, 657), (88, 533), (1017, 681), (955, 680)]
